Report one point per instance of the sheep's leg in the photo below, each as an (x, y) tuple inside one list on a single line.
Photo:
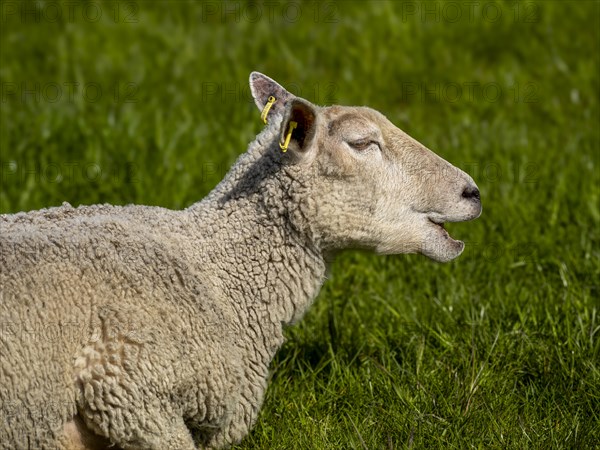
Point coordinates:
[(233, 432), (243, 416), (146, 429), (172, 433), (125, 410), (123, 388), (76, 436)]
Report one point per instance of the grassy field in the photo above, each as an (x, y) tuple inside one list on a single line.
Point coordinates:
[(147, 102)]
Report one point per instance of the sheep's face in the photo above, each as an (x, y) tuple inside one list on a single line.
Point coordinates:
[(383, 190), (371, 185)]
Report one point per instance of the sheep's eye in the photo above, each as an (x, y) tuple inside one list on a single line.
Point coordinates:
[(362, 144)]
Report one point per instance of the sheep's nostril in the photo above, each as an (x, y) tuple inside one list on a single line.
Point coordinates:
[(471, 192)]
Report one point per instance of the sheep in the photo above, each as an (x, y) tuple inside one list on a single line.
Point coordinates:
[(165, 322)]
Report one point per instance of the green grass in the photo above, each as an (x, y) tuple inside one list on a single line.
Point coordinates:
[(498, 349)]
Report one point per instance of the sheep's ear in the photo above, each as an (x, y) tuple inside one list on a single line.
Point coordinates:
[(263, 87), (299, 120)]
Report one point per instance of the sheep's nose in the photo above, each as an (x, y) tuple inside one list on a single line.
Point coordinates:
[(471, 193)]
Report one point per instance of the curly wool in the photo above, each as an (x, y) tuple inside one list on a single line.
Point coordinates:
[(149, 322)]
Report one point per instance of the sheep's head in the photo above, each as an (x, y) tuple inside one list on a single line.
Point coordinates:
[(371, 185)]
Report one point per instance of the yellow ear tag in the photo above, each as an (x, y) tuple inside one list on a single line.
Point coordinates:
[(291, 128), (267, 108)]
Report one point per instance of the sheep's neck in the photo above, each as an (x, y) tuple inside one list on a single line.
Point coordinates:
[(266, 275), (267, 265), (270, 271), (257, 227)]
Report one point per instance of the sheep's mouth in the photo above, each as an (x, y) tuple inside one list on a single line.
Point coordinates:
[(437, 223), (439, 245), (439, 226)]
